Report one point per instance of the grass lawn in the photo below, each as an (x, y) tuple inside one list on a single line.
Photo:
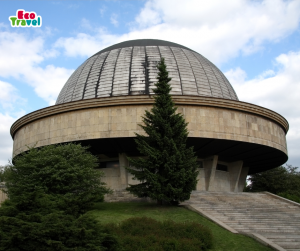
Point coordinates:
[(223, 239)]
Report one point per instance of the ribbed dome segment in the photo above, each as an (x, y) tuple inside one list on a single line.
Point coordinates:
[(129, 68)]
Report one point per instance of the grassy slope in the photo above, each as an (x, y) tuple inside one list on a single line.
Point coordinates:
[(223, 240)]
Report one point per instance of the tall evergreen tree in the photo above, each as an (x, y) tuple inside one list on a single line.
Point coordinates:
[(168, 172)]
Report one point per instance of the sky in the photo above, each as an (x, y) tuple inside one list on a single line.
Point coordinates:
[(256, 44)]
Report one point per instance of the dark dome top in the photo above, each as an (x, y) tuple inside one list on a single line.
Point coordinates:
[(129, 68)]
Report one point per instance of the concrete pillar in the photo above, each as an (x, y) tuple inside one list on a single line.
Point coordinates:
[(209, 165), (243, 177), (123, 172), (234, 169)]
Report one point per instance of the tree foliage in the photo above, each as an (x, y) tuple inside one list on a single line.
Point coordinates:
[(54, 231), (2, 172), (64, 171), (49, 191), (280, 180), (168, 171)]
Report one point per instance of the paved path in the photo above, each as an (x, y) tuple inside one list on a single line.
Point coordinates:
[(269, 219)]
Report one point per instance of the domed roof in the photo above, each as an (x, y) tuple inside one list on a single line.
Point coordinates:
[(129, 68)]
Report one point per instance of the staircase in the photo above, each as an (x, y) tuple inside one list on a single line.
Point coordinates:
[(271, 220)]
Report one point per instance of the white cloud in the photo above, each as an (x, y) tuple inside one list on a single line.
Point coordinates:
[(219, 30), (278, 91), (8, 95), (114, 19), (148, 16), (102, 11), (86, 45), (20, 59), (47, 82), (15, 57), (9, 101), (6, 140), (86, 24)]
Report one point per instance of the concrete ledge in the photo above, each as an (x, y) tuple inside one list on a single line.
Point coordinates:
[(264, 241), (281, 198), (220, 223), (148, 100)]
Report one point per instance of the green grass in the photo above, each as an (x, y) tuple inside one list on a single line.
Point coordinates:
[(223, 239)]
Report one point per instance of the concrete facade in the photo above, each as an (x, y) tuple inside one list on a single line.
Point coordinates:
[(58, 124), (102, 104), (55, 125), (209, 179)]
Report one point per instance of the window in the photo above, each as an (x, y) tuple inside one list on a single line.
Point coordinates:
[(200, 164), (221, 167), (109, 164)]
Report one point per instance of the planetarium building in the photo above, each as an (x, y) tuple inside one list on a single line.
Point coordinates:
[(104, 100)]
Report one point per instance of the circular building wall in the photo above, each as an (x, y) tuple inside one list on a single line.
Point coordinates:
[(102, 103)]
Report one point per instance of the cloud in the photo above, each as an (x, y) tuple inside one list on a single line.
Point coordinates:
[(47, 82), (21, 58), (86, 24), (148, 16), (219, 30), (6, 140), (8, 95), (114, 19), (86, 45), (10, 101), (278, 91), (102, 11)]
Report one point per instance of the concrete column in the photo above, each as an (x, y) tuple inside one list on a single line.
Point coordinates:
[(209, 165), (243, 177), (234, 169), (123, 172)]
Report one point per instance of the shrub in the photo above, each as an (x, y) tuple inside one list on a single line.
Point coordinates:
[(55, 231), (50, 190), (142, 233), (292, 197), (65, 172)]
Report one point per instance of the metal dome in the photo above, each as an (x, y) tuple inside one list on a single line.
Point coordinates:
[(129, 68)]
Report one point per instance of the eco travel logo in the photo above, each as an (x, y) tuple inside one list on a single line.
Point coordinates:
[(25, 19)]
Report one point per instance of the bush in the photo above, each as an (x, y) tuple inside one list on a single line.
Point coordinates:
[(49, 190), (63, 171), (142, 233), (55, 231), (292, 197), (280, 180)]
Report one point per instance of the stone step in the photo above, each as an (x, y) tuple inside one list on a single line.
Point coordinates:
[(286, 244), (266, 215), (272, 236)]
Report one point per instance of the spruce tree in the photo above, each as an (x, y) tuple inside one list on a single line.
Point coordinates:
[(50, 191), (168, 172)]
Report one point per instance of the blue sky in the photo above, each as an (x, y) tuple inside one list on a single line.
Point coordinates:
[(255, 43)]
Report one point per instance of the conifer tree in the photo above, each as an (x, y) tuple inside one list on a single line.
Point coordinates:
[(168, 172), (50, 190)]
